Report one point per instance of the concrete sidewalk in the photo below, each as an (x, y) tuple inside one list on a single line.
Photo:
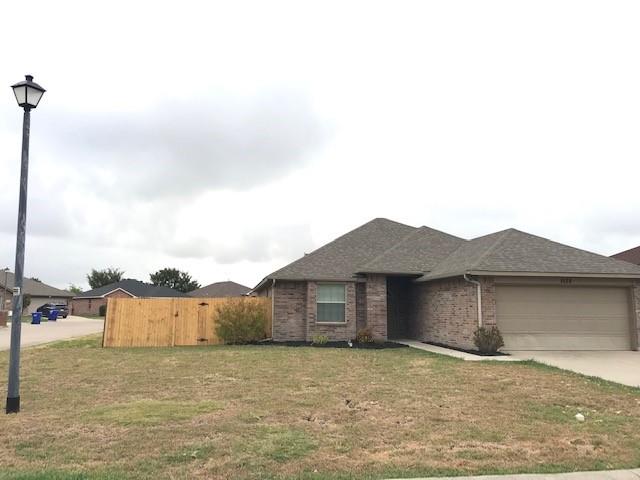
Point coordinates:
[(604, 475), (46, 332), (469, 357)]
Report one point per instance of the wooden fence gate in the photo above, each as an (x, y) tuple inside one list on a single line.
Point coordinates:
[(168, 322)]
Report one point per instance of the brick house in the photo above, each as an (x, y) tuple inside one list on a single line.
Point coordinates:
[(88, 303), (40, 293), (405, 282)]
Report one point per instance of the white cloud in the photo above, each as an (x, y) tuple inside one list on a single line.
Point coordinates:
[(228, 143)]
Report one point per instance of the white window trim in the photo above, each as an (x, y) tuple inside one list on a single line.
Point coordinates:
[(342, 303)]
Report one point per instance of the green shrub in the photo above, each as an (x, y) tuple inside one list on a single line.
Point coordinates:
[(365, 335), (488, 339), (241, 321), (102, 310), (319, 339)]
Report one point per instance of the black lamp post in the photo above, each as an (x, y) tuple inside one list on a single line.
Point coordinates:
[(28, 94)]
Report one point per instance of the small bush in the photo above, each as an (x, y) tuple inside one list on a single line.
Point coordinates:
[(241, 321), (319, 340), (102, 310), (365, 335), (488, 339)]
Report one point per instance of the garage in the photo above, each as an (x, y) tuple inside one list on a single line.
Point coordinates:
[(563, 317)]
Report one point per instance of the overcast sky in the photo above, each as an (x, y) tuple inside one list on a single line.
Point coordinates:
[(228, 138)]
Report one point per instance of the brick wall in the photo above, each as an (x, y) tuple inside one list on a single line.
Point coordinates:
[(636, 309), (335, 332), (295, 309), (446, 311), (488, 288), (376, 290), (91, 306), (361, 305), (289, 310)]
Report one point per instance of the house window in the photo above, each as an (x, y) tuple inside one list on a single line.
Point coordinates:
[(330, 303)]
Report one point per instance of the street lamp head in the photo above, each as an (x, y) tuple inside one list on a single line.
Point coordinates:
[(28, 93)]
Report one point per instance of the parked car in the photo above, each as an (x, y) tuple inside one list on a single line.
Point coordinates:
[(63, 309)]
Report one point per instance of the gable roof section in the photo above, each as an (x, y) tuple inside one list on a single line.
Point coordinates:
[(33, 288), (133, 287), (632, 255), (220, 289), (417, 253), (343, 257), (513, 251)]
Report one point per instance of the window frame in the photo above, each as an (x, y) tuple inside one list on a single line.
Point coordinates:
[(344, 303)]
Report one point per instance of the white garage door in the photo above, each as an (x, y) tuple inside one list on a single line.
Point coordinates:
[(563, 318)]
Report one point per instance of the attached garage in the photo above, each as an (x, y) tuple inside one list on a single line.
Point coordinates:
[(552, 317)]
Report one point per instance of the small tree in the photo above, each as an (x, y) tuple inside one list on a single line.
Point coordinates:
[(174, 278), (100, 278), (74, 289), (26, 300), (241, 321)]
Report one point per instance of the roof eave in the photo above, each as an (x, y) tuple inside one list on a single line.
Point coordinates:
[(553, 274), (487, 273), (383, 272)]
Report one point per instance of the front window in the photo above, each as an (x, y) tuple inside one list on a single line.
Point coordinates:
[(331, 302)]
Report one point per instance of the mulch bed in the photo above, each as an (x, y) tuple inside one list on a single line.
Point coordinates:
[(473, 352), (366, 346)]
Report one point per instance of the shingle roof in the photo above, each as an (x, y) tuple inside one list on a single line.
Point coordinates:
[(344, 256), (33, 288), (221, 289), (384, 246), (417, 253), (134, 287), (632, 255), (515, 251)]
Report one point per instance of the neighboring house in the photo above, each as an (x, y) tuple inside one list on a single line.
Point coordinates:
[(420, 283), (221, 289), (41, 293), (88, 303), (632, 255)]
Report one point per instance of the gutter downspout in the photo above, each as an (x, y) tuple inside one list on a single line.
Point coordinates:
[(479, 295)]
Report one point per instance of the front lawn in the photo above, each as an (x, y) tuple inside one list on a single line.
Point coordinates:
[(297, 412)]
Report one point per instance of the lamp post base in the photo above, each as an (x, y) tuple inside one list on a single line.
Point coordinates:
[(13, 404)]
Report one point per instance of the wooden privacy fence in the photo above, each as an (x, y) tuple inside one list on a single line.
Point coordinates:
[(168, 322)]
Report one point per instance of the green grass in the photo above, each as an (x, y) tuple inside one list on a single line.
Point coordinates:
[(27, 319), (150, 412), (258, 412)]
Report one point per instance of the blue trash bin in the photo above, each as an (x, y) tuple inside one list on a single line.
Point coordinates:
[(35, 318), (53, 315)]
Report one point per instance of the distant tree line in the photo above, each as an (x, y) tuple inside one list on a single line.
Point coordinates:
[(165, 277)]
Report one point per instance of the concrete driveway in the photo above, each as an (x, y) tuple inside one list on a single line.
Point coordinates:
[(46, 332), (620, 367)]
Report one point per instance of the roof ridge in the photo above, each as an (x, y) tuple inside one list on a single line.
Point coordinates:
[(626, 251), (314, 252), (442, 232), (395, 245), (565, 245), (501, 237)]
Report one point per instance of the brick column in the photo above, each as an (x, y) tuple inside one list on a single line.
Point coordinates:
[(310, 316), (376, 290), (635, 310), (488, 289)]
